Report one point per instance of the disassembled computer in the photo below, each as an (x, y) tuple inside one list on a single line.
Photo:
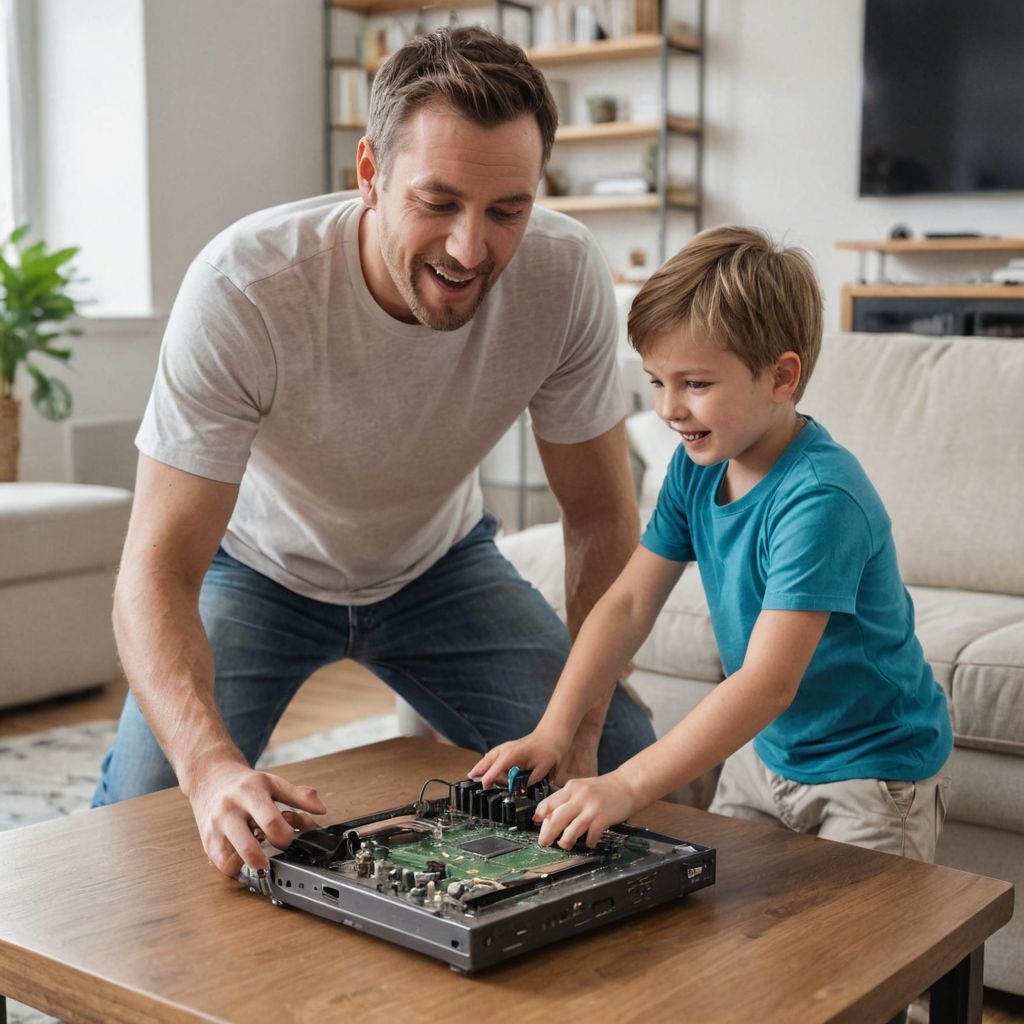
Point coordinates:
[(463, 879)]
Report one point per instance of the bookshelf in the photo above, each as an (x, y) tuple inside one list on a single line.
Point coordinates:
[(667, 198)]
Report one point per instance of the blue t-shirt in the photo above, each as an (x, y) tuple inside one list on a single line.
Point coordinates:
[(813, 535)]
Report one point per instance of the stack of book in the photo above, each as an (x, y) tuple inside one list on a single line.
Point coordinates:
[(1012, 273), (350, 97)]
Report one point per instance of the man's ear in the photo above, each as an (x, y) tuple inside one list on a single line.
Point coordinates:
[(787, 373), (367, 173)]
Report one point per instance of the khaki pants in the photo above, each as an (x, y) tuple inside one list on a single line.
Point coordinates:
[(895, 817)]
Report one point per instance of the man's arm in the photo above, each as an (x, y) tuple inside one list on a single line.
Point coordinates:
[(593, 484), (177, 523)]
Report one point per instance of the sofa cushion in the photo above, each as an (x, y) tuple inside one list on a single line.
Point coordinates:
[(938, 425), (682, 642), (57, 529)]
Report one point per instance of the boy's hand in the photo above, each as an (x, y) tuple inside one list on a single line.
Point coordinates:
[(537, 751), (585, 807)]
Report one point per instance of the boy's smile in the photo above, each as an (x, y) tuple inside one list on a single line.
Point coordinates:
[(719, 409), (449, 214)]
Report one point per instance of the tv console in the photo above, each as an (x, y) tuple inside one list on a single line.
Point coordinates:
[(985, 309)]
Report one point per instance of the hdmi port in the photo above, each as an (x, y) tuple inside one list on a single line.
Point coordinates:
[(329, 890)]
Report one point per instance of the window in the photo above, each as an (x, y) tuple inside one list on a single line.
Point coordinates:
[(16, 40)]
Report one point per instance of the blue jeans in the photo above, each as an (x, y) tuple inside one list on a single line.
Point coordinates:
[(470, 645)]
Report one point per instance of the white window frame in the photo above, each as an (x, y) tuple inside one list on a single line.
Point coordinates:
[(19, 69)]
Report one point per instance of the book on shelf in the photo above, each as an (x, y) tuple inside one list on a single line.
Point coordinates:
[(561, 23), (621, 185), (350, 96)]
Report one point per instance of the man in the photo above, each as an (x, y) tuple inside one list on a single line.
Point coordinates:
[(332, 374)]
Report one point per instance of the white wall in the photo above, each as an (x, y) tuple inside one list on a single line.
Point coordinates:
[(231, 93), (783, 126), (784, 112), (159, 124), (235, 115)]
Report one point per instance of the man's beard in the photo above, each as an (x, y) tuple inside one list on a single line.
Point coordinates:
[(446, 318)]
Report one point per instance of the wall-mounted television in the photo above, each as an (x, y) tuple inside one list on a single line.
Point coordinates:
[(943, 96)]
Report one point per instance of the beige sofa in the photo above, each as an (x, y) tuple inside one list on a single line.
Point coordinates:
[(59, 548), (938, 423)]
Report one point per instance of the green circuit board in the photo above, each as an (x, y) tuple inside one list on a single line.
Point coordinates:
[(474, 849)]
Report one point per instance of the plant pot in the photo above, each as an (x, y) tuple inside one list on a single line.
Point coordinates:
[(10, 438)]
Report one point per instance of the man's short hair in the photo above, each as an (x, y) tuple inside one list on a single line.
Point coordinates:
[(475, 72), (742, 292)]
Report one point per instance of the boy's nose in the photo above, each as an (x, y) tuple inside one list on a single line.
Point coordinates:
[(669, 407)]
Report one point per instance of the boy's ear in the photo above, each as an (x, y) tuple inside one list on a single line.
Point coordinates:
[(367, 172), (787, 373)]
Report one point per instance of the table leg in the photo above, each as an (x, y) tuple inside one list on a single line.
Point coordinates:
[(957, 996), (3, 1009)]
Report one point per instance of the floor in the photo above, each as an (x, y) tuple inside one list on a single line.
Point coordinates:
[(316, 708)]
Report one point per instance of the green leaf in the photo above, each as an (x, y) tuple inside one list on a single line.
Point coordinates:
[(51, 397), (34, 301)]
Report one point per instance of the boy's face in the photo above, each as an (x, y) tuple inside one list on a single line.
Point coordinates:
[(720, 410), (448, 216)]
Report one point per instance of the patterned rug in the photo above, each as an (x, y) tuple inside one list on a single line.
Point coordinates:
[(53, 773)]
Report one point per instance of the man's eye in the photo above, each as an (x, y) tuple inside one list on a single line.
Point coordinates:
[(508, 215), (437, 207)]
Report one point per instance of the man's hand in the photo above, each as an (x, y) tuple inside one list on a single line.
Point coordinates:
[(538, 751), (230, 800), (585, 807)]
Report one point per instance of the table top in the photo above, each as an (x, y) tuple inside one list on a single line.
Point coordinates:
[(116, 915)]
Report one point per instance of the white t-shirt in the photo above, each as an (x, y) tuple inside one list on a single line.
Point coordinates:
[(356, 437)]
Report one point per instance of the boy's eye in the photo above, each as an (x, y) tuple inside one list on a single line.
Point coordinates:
[(655, 383), (697, 385)]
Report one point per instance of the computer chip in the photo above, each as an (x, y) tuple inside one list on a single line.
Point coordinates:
[(490, 846)]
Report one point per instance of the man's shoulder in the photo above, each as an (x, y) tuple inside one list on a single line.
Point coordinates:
[(268, 242), (554, 234)]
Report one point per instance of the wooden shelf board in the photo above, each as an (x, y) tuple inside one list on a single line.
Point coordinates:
[(609, 204), (935, 291), (643, 44), (389, 6), (624, 130), (907, 245)]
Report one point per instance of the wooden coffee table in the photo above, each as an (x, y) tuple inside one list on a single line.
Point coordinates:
[(116, 915)]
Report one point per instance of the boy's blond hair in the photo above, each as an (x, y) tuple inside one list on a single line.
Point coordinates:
[(738, 289)]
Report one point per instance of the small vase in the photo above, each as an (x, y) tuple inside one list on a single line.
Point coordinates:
[(10, 438)]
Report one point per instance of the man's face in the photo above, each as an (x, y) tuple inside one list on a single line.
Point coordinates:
[(448, 216)]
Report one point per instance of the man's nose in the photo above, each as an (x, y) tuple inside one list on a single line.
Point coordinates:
[(466, 243)]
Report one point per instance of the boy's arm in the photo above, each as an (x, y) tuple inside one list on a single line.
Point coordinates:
[(613, 631), (780, 649), (593, 484)]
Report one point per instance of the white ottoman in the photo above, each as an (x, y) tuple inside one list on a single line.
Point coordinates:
[(59, 549)]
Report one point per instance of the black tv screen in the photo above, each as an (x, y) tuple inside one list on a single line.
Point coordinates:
[(943, 96)]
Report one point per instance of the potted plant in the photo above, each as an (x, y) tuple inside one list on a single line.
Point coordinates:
[(33, 307)]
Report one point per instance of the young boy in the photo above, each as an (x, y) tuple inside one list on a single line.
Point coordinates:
[(815, 628)]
